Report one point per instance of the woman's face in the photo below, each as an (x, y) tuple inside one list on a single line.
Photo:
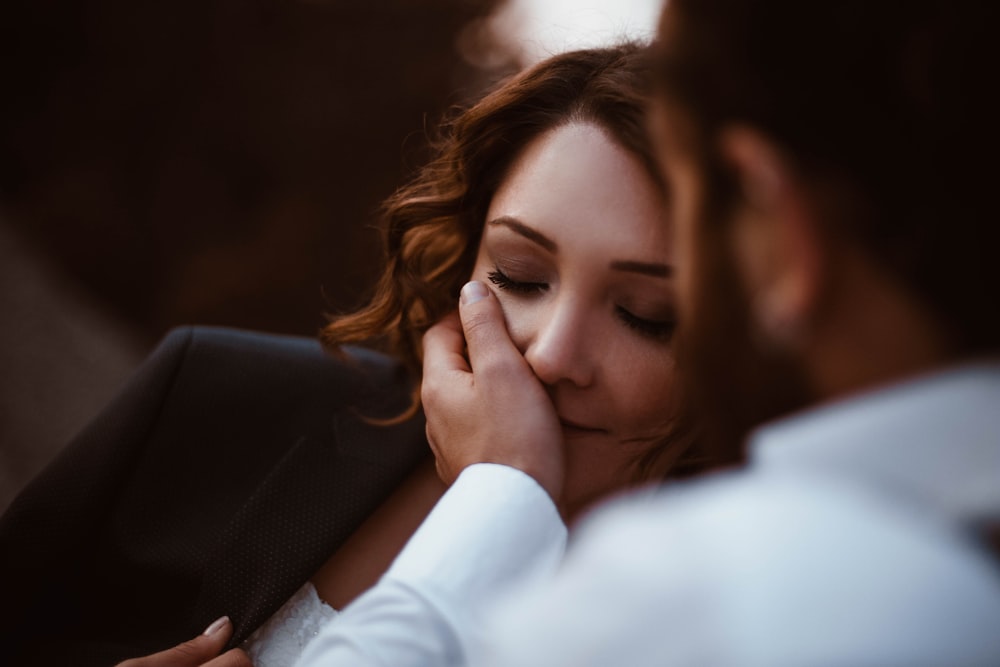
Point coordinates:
[(577, 249)]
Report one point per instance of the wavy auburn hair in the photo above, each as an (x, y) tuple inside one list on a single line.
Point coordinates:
[(433, 224)]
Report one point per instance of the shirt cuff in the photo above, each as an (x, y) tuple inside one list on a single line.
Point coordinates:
[(493, 529)]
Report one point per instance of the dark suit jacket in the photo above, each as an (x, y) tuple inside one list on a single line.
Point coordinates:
[(225, 473)]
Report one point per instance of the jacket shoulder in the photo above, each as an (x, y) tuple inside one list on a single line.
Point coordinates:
[(223, 366)]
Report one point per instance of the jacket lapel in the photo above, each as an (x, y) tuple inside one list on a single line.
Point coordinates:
[(311, 502)]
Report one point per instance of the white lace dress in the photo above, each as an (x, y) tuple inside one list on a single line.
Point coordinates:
[(281, 640)]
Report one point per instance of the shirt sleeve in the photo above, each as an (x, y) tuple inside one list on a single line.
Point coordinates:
[(494, 530)]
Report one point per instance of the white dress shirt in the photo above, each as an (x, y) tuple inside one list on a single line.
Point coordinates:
[(848, 540)]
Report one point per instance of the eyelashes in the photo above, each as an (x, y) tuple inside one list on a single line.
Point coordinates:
[(501, 280), (658, 330), (661, 330)]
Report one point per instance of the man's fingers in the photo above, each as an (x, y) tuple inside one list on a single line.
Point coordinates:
[(192, 653), (468, 404), (444, 346), (445, 365)]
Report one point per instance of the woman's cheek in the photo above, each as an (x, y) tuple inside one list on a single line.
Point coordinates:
[(651, 384)]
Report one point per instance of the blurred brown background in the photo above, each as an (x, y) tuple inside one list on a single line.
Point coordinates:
[(198, 161)]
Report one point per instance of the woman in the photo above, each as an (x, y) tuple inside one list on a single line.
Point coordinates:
[(545, 190)]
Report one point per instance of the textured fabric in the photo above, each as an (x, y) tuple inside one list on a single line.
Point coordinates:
[(850, 539), (281, 640), (222, 477)]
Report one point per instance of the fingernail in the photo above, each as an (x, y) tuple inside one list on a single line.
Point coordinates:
[(216, 626), (473, 292)]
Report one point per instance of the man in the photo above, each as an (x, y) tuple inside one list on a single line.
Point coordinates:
[(831, 168)]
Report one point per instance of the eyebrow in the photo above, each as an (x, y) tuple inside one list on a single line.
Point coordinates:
[(654, 269), (526, 231), (646, 268)]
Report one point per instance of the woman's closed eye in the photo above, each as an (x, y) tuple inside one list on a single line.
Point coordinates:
[(660, 330), (504, 282), (654, 329)]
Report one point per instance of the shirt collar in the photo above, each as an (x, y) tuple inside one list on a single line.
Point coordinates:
[(935, 438)]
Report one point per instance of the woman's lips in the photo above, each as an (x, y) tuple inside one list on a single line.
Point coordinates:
[(573, 428)]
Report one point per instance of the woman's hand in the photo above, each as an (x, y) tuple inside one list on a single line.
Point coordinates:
[(490, 408), (202, 651)]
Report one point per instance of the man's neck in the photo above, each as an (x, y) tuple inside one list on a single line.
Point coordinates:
[(872, 333)]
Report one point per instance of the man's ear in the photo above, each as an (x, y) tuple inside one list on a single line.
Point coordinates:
[(776, 234)]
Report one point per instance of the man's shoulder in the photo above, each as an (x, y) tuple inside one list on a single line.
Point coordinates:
[(747, 557), (771, 517)]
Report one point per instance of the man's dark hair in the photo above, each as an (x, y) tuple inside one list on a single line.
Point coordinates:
[(892, 101)]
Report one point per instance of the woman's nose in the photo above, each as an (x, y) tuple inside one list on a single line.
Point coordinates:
[(561, 349)]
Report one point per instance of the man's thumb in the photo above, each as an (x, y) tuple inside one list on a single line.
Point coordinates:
[(482, 321)]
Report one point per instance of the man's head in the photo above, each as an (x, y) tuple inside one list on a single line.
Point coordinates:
[(831, 167)]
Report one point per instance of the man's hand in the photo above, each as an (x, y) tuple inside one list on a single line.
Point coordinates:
[(491, 408), (202, 651)]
